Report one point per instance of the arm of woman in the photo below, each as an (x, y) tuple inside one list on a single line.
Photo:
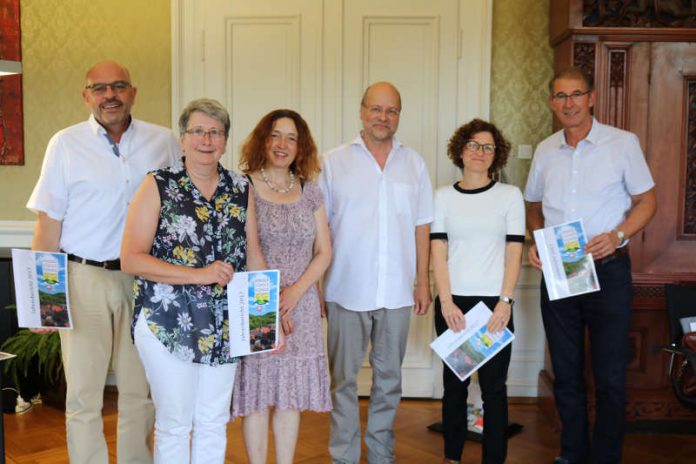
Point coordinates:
[(255, 260), (138, 236), (450, 312), (502, 311), (290, 296)]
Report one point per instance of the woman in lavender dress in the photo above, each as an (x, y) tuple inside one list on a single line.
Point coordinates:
[(280, 158)]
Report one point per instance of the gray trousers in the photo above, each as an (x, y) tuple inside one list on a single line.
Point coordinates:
[(348, 334)]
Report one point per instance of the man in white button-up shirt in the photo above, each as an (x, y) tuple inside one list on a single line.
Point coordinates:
[(379, 205), (596, 173), (89, 175)]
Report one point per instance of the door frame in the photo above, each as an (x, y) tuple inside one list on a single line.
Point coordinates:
[(472, 99)]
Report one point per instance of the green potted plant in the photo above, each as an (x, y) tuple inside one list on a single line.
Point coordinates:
[(38, 360)]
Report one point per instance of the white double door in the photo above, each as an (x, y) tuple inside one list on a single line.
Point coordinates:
[(317, 57)]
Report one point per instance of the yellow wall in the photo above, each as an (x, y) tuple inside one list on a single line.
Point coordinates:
[(60, 40), (522, 65)]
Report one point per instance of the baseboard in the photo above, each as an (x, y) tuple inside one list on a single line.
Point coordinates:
[(523, 400)]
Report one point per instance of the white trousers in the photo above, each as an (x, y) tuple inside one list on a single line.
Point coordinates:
[(188, 397)]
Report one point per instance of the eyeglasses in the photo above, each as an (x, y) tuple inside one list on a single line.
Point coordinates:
[(99, 88), (487, 148), (200, 133), (575, 96), (375, 110)]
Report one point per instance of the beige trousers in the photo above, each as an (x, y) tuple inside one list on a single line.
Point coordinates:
[(101, 310)]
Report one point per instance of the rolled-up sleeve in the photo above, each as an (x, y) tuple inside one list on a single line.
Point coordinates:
[(50, 193)]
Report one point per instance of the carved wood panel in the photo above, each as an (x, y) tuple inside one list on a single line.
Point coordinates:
[(639, 13), (688, 218), (643, 57)]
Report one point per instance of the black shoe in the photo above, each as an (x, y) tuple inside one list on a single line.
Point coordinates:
[(560, 460)]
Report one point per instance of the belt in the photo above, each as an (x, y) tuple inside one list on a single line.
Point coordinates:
[(112, 265), (607, 259)]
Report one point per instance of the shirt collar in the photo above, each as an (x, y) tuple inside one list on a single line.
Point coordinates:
[(591, 137), (359, 141), (100, 130)]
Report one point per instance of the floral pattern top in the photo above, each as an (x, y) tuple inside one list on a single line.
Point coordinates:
[(191, 320)]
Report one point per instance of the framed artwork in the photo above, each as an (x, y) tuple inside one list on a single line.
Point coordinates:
[(11, 117)]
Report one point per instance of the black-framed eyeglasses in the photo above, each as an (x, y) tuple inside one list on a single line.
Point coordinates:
[(200, 133), (99, 88), (575, 96), (487, 148)]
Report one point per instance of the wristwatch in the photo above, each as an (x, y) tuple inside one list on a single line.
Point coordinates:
[(621, 236), (507, 299)]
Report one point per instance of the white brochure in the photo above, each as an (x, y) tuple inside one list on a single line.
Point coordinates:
[(469, 349), (253, 299), (568, 269), (41, 288)]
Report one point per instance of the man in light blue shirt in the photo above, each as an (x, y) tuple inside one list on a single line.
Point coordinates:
[(596, 173)]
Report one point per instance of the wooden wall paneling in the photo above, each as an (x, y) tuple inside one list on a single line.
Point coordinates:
[(646, 82), (565, 15), (619, 64), (585, 55), (686, 221), (637, 122), (665, 253)]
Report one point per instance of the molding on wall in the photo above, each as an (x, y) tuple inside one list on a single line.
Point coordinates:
[(475, 87), (16, 234)]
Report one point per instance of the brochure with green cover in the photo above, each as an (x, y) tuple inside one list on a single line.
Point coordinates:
[(253, 299)]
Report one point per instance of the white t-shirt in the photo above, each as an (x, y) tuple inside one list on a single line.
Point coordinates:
[(87, 187), (593, 181), (373, 215), (477, 224)]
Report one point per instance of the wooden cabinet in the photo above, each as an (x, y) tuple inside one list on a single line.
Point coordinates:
[(644, 63)]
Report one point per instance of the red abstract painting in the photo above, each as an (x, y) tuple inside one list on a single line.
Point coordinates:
[(11, 131)]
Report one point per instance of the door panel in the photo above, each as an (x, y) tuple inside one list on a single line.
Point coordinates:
[(413, 45), (668, 244), (260, 56), (317, 57)]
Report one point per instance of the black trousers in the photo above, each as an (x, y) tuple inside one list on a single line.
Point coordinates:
[(492, 377), (607, 316)]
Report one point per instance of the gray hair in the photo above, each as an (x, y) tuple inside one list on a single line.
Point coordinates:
[(209, 107)]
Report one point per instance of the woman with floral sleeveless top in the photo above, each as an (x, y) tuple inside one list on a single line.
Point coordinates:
[(189, 228)]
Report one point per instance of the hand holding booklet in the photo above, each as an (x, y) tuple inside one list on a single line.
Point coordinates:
[(252, 301), (467, 350), (41, 289), (568, 269)]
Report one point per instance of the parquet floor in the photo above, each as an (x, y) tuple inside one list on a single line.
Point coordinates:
[(38, 437)]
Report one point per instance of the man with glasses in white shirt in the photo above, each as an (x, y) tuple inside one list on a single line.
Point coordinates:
[(379, 204), (90, 172), (596, 173)]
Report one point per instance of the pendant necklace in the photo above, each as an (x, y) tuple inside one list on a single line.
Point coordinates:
[(291, 182)]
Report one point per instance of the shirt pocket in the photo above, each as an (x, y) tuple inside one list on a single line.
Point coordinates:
[(404, 198)]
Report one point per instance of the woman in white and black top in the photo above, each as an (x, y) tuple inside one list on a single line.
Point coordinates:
[(476, 250)]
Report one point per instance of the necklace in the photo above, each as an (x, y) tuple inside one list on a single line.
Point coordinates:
[(291, 182)]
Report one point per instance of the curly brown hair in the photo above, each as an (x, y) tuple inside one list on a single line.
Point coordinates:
[(465, 133), (306, 164)]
